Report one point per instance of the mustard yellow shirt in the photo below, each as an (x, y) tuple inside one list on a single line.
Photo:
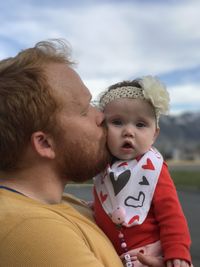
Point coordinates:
[(36, 234)]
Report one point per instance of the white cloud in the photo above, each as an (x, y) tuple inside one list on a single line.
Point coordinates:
[(184, 97), (129, 40), (112, 41)]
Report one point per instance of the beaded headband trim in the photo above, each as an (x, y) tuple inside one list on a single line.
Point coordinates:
[(151, 90)]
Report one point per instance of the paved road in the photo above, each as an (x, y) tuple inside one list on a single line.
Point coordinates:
[(190, 201), (191, 205)]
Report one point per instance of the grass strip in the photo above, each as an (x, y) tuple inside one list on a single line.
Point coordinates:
[(189, 179)]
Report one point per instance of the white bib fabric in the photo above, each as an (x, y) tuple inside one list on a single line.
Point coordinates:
[(126, 189)]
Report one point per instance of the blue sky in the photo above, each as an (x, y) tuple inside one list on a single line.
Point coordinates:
[(115, 40)]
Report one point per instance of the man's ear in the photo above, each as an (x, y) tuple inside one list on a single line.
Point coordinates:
[(43, 144)]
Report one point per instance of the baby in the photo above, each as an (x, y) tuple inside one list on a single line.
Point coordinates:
[(135, 200)]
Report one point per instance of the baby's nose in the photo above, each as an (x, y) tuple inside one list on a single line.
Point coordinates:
[(128, 131)]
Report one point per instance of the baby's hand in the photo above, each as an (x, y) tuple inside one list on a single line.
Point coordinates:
[(177, 263)]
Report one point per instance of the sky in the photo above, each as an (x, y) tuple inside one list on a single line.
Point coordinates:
[(115, 40)]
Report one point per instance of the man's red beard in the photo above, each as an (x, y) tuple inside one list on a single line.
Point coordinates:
[(81, 161)]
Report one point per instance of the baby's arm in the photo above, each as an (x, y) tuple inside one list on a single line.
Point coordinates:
[(174, 232)]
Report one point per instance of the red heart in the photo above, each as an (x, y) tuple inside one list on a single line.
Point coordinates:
[(134, 218), (149, 165), (122, 164), (103, 197)]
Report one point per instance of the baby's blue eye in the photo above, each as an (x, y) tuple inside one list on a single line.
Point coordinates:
[(117, 122), (140, 124)]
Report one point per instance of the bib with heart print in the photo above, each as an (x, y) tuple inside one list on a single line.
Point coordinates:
[(126, 189)]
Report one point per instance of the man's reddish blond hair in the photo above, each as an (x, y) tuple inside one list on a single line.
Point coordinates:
[(27, 102)]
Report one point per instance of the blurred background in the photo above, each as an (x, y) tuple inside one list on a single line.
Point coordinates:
[(115, 40)]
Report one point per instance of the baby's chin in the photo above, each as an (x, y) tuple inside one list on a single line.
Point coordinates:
[(128, 158), (125, 157)]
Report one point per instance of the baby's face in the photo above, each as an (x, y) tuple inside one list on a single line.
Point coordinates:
[(131, 127)]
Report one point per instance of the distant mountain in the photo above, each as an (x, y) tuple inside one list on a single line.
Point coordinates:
[(180, 136)]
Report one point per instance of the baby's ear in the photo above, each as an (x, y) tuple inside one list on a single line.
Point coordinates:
[(43, 144), (156, 134)]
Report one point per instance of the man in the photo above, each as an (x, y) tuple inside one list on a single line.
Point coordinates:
[(50, 134)]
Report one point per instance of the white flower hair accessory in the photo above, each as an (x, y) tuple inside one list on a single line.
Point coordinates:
[(156, 93)]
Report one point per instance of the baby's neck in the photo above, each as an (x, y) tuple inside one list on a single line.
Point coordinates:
[(114, 159)]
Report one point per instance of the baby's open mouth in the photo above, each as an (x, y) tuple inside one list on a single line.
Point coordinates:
[(127, 145)]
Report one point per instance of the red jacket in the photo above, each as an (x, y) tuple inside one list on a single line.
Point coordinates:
[(165, 222)]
